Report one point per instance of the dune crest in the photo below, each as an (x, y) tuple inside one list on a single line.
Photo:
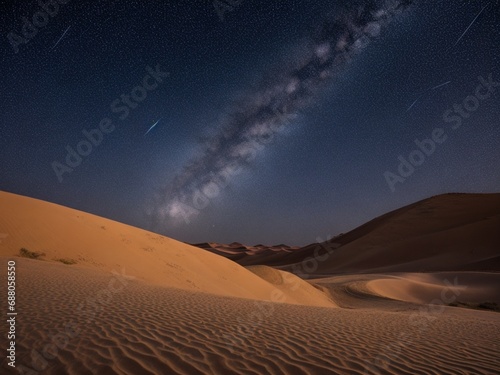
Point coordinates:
[(293, 287), (63, 234)]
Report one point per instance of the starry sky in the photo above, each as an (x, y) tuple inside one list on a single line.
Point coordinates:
[(263, 121)]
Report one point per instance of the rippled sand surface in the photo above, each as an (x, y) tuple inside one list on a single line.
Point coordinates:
[(104, 323)]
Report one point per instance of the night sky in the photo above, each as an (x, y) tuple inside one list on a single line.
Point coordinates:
[(260, 122)]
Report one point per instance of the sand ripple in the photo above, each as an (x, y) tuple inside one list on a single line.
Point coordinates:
[(146, 329)]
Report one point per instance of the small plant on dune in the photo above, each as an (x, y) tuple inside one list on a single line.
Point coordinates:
[(66, 261), (25, 253)]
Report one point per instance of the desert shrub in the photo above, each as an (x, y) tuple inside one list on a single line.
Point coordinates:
[(25, 253), (67, 261)]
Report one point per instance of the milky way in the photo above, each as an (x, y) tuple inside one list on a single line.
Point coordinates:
[(262, 114)]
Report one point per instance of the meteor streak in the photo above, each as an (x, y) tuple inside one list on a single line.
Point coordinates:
[(60, 38), (472, 23), (151, 128), (412, 105), (441, 85)]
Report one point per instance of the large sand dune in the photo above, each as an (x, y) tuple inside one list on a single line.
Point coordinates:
[(139, 303), (93, 242), (448, 232)]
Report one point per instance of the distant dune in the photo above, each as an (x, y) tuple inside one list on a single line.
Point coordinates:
[(469, 287), (248, 255), (95, 296), (449, 232)]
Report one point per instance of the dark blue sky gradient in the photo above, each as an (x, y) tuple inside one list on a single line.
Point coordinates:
[(322, 175)]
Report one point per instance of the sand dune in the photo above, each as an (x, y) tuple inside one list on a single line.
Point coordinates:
[(451, 232), (249, 255), (293, 287), (448, 232), (470, 287), (93, 242), (395, 291), (136, 302)]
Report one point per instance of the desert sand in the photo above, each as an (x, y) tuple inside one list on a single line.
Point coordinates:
[(96, 296)]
